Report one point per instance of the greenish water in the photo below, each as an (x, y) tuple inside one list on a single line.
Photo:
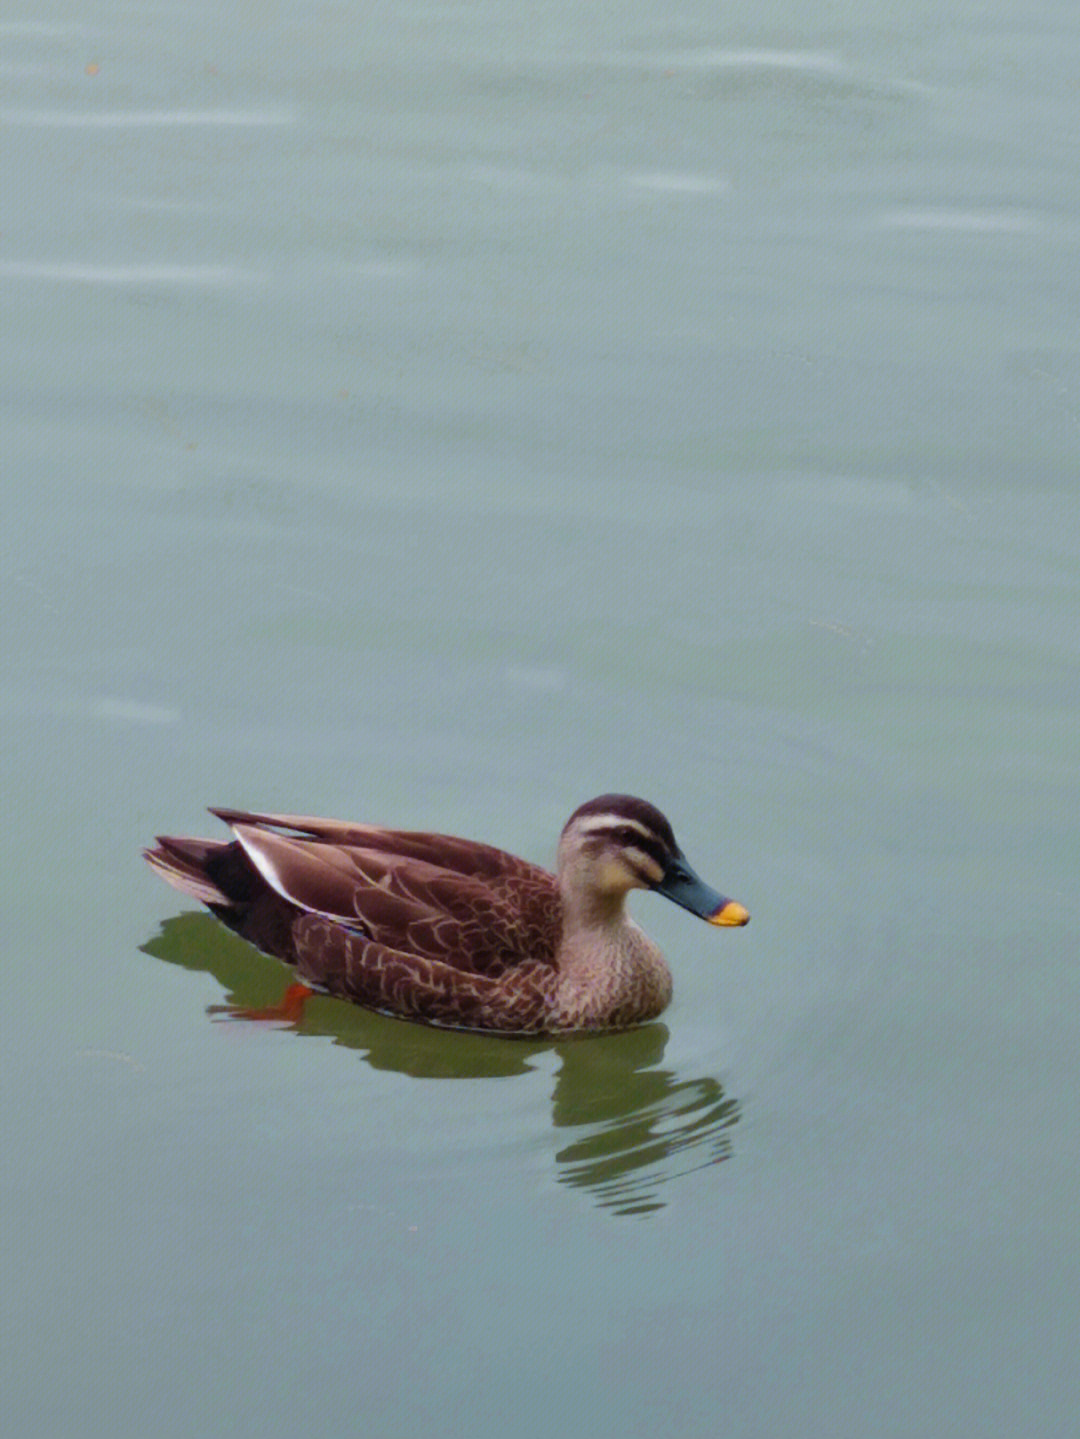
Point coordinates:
[(438, 415)]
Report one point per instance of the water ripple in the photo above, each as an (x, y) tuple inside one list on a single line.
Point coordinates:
[(145, 119), (818, 61), (972, 222), (680, 184), (815, 62), (75, 273)]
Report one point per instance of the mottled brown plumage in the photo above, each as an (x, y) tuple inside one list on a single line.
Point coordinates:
[(449, 931)]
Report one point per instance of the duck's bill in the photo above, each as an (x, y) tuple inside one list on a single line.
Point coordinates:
[(730, 912), (682, 886)]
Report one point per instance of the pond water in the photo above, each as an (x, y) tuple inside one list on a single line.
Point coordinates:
[(438, 415)]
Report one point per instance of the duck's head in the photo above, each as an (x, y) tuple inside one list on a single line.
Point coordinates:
[(616, 843)]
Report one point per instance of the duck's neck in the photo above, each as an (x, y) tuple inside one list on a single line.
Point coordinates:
[(589, 911), (610, 973)]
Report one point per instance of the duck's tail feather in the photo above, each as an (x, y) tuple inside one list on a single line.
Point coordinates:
[(187, 864)]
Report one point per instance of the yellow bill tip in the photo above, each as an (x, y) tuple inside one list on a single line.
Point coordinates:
[(730, 912)]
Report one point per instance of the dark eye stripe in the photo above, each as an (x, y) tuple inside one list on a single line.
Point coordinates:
[(650, 846), (629, 836)]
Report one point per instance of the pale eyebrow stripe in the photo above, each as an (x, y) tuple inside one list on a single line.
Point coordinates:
[(595, 823)]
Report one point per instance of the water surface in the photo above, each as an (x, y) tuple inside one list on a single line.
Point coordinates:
[(441, 414)]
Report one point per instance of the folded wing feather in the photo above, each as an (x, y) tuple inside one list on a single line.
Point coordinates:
[(408, 904)]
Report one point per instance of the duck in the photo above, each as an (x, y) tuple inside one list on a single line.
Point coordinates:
[(449, 931)]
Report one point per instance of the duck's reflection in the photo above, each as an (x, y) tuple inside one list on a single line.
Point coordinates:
[(631, 1126)]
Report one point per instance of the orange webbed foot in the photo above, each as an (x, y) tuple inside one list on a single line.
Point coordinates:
[(288, 1010)]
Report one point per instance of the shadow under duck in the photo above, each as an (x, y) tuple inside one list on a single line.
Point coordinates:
[(449, 931)]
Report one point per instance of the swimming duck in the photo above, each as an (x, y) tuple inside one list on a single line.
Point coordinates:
[(448, 931)]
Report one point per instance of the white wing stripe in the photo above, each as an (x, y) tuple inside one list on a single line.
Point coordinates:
[(266, 867)]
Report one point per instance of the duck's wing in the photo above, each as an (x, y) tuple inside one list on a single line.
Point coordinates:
[(409, 905), (345, 963), (447, 851)]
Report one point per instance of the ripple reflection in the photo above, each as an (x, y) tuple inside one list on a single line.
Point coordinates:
[(636, 1127)]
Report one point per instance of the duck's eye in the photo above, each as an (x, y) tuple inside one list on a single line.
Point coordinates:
[(625, 835)]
